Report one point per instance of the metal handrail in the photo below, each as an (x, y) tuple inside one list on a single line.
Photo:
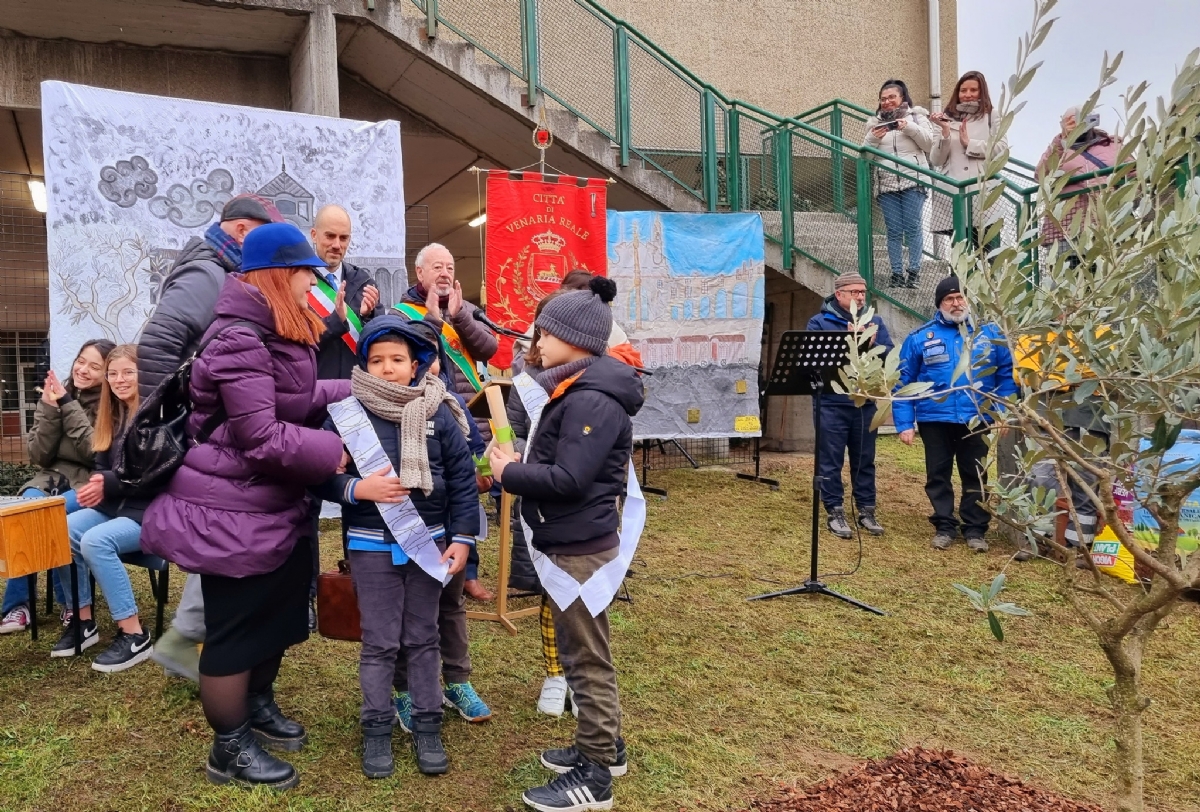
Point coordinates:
[(711, 157)]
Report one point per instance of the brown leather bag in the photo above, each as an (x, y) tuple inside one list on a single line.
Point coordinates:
[(337, 605)]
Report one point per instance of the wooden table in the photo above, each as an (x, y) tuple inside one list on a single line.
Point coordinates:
[(33, 539)]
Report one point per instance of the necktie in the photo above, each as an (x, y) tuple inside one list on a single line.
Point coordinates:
[(332, 280)]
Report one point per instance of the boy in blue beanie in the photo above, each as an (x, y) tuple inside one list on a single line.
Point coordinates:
[(422, 430), (569, 484)]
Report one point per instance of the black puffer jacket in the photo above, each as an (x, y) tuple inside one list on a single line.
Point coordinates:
[(578, 460), (454, 501), (120, 502), (184, 312)]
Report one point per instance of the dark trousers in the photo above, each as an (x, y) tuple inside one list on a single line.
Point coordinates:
[(399, 607), (452, 631), (845, 428), (947, 444), (583, 649)]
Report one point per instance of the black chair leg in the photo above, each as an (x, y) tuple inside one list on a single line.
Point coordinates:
[(76, 623), (31, 580), (49, 592)]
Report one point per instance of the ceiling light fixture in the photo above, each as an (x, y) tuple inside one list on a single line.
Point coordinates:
[(37, 190), (478, 221)]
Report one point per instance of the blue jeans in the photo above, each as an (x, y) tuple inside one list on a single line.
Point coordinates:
[(902, 217), (97, 542), (16, 591), (847, 429)]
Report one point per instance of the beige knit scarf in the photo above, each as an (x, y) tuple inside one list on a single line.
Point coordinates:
[(410, 407)]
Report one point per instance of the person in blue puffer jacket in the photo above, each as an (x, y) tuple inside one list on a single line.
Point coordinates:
[(931, 353), (844, 426)]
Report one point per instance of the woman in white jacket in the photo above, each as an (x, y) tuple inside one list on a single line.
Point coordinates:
[(963, 143), (905, 131)]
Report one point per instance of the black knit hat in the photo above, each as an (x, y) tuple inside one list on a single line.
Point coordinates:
[(945, 288), (582, 318)]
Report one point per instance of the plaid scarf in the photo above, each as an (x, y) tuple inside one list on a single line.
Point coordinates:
[(227, 248), (409, 407)]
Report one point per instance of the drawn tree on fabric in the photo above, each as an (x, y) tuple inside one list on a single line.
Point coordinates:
[(90, 289)]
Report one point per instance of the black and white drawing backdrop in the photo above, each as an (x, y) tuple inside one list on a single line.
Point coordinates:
[(131, 178)]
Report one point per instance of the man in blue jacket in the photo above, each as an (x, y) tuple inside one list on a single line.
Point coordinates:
[(844, 426), (931, 353)]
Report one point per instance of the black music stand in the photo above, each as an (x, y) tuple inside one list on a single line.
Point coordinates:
[(805, 364)]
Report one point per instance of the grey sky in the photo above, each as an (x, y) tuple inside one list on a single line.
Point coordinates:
[(1156, 36)]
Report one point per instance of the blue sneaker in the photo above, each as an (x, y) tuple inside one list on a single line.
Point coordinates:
[(462, 697), (404, 711)]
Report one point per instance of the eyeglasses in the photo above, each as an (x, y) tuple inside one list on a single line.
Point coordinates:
[(123, 375), (955, 298), (857, 292)]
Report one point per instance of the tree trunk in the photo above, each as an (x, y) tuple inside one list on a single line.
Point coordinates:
[(1128, 705)]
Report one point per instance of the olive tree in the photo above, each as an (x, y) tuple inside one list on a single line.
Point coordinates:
[(1108, 320)]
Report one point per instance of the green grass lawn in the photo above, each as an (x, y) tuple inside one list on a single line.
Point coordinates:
[(722, 698)]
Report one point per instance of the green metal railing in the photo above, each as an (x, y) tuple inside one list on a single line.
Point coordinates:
[(809, 175)]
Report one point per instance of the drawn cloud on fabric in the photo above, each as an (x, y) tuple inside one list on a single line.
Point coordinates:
[(193, 206), (128, 181)]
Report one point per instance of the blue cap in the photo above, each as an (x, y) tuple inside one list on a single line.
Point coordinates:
[(412, 331), (278, 245)]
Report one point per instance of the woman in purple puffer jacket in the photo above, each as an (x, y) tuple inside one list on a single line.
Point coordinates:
[(237, 510)]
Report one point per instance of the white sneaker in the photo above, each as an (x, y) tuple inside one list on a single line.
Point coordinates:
[(553, 699), (18, 619)]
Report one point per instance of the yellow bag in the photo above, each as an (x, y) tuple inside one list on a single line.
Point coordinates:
[(1110, 556)]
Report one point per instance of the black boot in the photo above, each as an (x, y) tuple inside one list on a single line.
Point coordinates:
[(237, 757), (427, 742), (271, 727), (377, 760)]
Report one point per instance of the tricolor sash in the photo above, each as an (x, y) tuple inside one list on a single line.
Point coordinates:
[(450, 340), (599, 590), (401, 518), (321, 298)]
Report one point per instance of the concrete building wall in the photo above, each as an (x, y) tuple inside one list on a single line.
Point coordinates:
[(257, 81), (787, 421), (791, 55)]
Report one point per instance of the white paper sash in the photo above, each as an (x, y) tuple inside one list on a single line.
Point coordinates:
[(401, 518), (599, 590)]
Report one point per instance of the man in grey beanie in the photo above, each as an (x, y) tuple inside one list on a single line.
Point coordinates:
[(846, 428), (569, 484)]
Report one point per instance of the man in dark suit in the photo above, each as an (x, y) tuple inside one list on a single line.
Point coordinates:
[(355, 288)]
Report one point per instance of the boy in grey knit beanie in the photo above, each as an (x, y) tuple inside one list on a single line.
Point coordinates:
[(569, 483)]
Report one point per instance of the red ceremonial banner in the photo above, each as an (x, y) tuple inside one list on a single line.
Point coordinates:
[(538, 230)]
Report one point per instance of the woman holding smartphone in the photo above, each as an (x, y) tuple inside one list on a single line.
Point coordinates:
[(902, 129), (963, 143)]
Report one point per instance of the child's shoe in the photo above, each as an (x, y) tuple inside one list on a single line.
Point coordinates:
[(553, 699), (564, 759), (377, 760), (403, 703), (462, 697), (586, 787), (427, 744)]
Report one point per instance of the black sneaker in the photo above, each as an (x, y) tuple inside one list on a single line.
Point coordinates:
[(125, 652), (88, 635), (564, 759), (586, 787)]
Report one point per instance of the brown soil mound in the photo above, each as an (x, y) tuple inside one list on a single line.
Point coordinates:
[(919, 780)]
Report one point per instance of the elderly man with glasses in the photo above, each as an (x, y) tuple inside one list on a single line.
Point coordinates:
[(846, 428), (944, 414)]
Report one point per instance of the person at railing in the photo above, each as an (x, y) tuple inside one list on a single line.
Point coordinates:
[(964, 142), (1092, 150), (904, 130), (60, 442)]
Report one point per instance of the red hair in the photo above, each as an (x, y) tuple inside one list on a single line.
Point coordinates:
[(292, 322)]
